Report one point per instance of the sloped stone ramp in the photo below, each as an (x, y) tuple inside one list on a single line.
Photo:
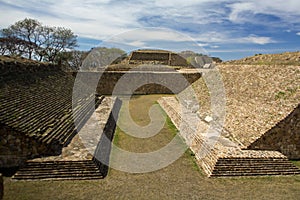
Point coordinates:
[(226, 157), (76, 161)]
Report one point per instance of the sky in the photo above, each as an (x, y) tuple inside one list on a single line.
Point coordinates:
[(229, 29)]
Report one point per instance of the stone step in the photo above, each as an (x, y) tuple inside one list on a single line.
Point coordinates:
[(254, 164), (42, 164), (60, 177), (251, 163), (252, 160), (94, 168), (253, 174), (253, 167), (255, 170), (59, 170)]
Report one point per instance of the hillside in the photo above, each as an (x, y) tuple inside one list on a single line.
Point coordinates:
[(257, 96), (286, 58)]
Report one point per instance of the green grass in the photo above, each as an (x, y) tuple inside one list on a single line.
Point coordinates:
[(116, 139), (296, 162)]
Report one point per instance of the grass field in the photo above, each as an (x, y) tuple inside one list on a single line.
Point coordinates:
[(180, 180)]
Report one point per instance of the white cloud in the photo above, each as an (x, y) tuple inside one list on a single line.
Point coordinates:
[(288, 11), (150, 35), (102, 19), (298, 33), (237, 9), (227, 37), (257, 40)]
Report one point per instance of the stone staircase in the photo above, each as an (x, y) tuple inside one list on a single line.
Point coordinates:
[(59, 170), (76, 161), (226, 167)]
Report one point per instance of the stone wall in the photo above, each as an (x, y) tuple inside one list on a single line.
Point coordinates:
[(284, 137), (109, 80), (177, 60), (15, 64), (159, 57), (103, 149), (205, 155), (16, 148)]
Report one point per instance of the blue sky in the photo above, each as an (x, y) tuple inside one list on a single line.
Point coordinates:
[(227, 29)]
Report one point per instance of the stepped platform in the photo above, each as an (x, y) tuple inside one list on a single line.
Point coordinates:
[(38, 111), (224, 155), (77, 160)]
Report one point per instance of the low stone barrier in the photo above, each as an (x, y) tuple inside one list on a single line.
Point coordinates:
[(109, 80)]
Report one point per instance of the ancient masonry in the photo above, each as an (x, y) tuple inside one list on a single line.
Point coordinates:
[(109, 80), (284, 136), (37, 129), (223, 157), (38, 134), (161, 57)]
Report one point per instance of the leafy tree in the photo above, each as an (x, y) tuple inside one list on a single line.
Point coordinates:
[(72, 59), (62, 39), (25, 30), (29, 38)]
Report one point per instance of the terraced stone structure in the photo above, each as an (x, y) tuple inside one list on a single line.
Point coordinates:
[(157, 57), (223, 156), (37, 121)]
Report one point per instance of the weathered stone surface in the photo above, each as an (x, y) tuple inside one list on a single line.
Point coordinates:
[(36, 110), (210, 152), (80, 159), (284, 137), (109, 80), (157, 57), (258, 97)]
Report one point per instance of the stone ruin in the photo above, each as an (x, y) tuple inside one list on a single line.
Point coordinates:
[(38, 134), (225, 156), (37, 130), (157, 57)]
